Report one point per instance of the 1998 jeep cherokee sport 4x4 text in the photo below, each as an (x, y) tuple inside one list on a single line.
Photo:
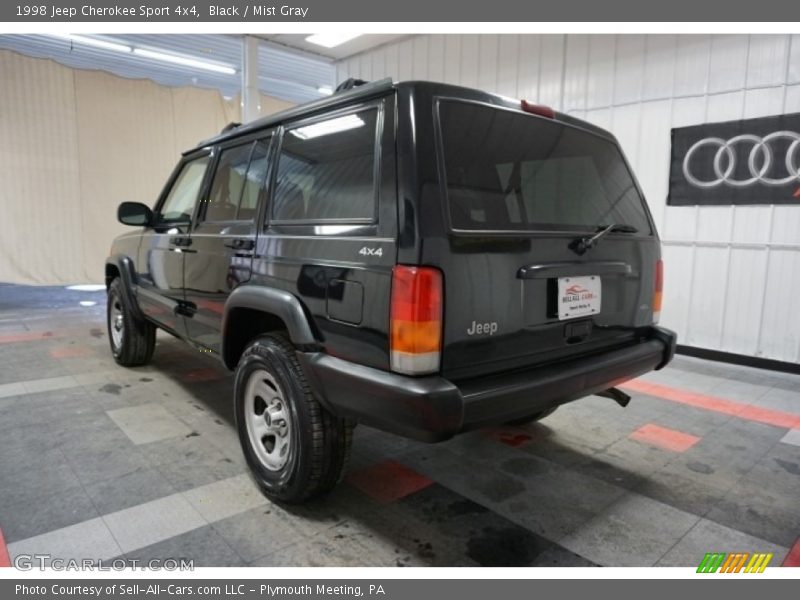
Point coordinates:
[(418, 257)]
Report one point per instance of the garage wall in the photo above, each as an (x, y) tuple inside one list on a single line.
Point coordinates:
[(76, 143), (732, 273)]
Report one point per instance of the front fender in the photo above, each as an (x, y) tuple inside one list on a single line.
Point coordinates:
[(127, 275)]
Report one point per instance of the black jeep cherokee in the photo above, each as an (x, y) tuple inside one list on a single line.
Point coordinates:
[(418, 257)]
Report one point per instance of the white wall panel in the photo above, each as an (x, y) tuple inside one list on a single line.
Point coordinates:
[(742, 300), (600, 83), (714, 223), (680, 224), (766, 60), (626, 124), (793, 98), (629, 69), (652, 167), (576, 72), (470, 49), (436, 58), (751, 224), (675, 310), (785, 225), (780, 327), (551, 68), (727, 106), (421, 57), (507, 65), (706, 297), (692, 65), (729, 272), (794, 59), (659, 66), (452, 58), (728, 68), (488, 49), (763, 102), (530, 50)]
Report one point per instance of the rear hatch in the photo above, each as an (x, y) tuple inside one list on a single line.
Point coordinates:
[(522, 193)]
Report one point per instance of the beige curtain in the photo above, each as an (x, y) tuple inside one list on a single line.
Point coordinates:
[(76, 143)]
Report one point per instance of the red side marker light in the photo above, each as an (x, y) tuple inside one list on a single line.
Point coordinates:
[(797, 193), (538, 109)]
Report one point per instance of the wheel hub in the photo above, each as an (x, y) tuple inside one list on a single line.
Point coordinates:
[(267, 419), (116, 324)]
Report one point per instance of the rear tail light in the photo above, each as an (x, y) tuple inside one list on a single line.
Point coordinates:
[(416, 320), (659, 291), (538, 109)]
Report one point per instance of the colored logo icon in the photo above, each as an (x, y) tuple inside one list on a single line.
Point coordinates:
[(738, 562)]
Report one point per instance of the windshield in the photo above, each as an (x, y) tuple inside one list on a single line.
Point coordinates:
[(508, 171)]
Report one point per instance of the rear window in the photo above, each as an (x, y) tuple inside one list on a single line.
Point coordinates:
[(508, 171)]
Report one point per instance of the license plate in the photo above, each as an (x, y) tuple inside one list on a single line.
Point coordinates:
[(578, 296)]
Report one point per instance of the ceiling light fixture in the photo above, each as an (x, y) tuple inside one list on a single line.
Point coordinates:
[(325, 90), (327, 127), (185, 61), (331, 40), (95, 42)]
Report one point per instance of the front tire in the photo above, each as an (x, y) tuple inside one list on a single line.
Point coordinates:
[(294, 447), (132, 340)]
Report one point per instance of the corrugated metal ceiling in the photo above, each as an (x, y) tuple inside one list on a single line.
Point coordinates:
[(283, 73)]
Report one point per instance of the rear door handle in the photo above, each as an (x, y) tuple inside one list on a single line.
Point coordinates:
[(181, 240), (241, 244)]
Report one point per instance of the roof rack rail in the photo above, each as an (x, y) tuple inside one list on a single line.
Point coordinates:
[(230, 126), (349, 84), (364, 90)]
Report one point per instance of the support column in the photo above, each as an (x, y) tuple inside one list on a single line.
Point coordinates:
[(251, 99)]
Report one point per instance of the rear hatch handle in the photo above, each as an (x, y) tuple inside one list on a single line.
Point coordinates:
[(573, 269)]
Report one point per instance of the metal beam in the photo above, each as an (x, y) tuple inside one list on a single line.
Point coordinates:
[(251, 98)]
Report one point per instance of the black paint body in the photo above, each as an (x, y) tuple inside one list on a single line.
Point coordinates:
[(334, 300)]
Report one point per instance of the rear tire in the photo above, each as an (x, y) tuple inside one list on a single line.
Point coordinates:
[(132, 340), (533, 418), (294, 447)]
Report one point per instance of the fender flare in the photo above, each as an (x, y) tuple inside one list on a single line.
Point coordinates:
[(279, 303), (127, 275)]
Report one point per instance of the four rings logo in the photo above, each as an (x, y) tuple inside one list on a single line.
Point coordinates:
[(765, 163)]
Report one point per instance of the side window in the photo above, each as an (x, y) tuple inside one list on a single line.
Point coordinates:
[(254, 181), (326, 170), (226, 188), (181, 199)]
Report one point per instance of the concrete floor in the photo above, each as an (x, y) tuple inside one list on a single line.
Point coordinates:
[(99, 461)]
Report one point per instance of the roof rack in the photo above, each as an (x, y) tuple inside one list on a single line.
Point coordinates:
[(357, 91), (230, 127)]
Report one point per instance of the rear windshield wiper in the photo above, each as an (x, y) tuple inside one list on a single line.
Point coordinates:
[(581, 245)]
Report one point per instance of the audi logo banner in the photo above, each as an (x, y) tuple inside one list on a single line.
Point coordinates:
[(753, 161)]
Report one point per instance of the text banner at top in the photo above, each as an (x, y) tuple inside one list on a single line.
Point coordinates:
[(319, 11)]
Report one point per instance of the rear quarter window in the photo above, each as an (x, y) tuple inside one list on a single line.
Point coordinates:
[(326, 171)]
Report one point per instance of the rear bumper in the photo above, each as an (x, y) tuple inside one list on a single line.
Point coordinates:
[(433, 409)]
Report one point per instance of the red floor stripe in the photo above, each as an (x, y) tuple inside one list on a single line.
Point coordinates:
[(664, 438), (721, 405), (70, 352), (29, 336), (5, 561), (388, 481), (793, 558)]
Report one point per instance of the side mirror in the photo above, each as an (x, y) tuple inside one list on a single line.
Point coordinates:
[(134, 213)]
